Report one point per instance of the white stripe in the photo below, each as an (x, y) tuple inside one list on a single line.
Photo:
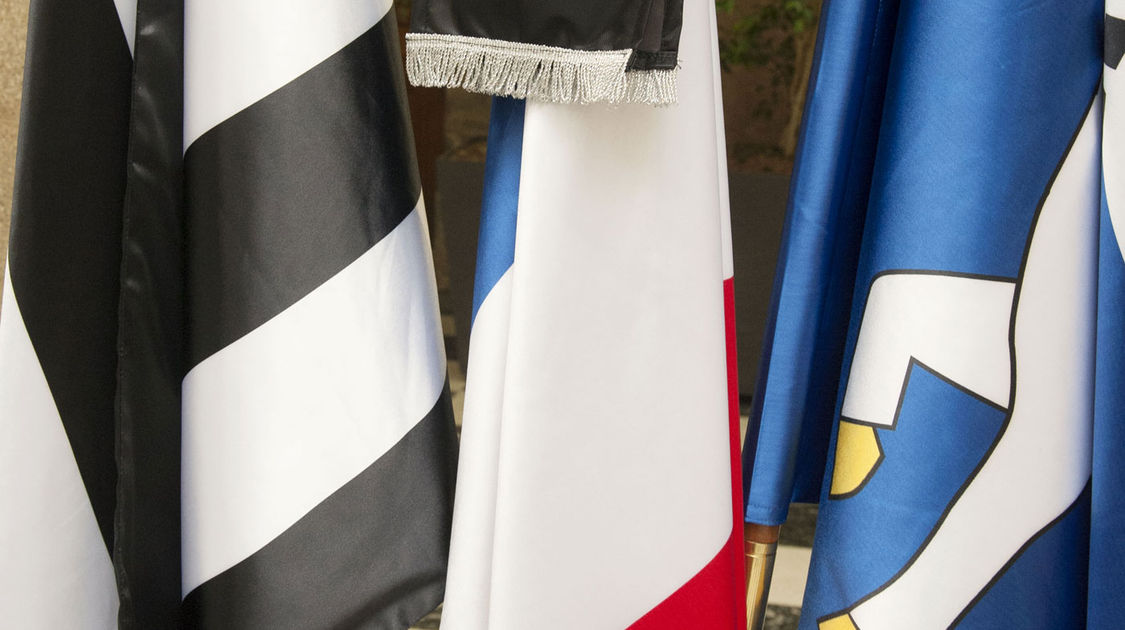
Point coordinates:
[(956, 326), (1113, 141), (613, 457), (470, 559), (1041, 463), (235, 53), (127, 13), (278, 420), (721, 150), (55, 571)]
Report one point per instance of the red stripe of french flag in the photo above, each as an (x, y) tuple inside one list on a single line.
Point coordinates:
[(706, 601)]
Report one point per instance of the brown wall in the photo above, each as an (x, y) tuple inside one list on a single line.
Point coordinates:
[(13, 31)]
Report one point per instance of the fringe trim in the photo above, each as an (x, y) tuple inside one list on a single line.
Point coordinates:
[(651, 87), (532, 71)]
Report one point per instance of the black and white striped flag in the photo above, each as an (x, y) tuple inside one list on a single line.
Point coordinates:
[(276, 260), (318, 442), (58, 351)]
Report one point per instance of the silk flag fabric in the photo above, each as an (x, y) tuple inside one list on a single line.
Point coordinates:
[(942, 349), (600, 432), (222, 373), (318, 437), (89, 395), (563, 51), (1107, 486), (58, 500)]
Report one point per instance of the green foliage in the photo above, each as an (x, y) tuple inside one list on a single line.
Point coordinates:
[(767, 35), (774, 38)]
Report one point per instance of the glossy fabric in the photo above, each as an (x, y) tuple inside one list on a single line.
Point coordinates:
[(1107, 538), (936, 140), (651, 28), (577, 430), (804, 340)]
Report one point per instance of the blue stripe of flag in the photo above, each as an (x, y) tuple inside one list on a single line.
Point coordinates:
[(1107, 538), (497, 244)]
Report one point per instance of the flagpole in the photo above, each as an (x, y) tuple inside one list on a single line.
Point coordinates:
[(761, 547)]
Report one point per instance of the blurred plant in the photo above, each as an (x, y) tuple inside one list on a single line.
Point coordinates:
[(779, 36)]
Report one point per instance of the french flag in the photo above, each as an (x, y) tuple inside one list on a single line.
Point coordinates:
[(597, 484)]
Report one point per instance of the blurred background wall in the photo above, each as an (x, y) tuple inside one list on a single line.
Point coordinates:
[(13, 31)]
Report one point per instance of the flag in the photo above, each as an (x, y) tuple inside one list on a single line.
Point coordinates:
[(934, 332), (1107, 486), (318, 443), (595, 486), (58, 327), (89, 371), (231, 212)]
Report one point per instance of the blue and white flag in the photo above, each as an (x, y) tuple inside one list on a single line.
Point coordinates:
[(936, 324)]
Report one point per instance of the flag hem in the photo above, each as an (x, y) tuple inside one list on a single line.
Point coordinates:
[(533, 71)]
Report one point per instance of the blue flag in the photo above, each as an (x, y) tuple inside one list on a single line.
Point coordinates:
[(946, 293), (1107, 538)]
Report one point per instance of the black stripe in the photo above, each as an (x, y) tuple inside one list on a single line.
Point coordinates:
[(659, 47), (150, 339), (576, 24), (66, 221), (1114, 47), (289, 191), (371, 555)]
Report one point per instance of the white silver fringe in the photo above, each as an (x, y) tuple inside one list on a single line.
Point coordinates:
[(532, 71), (652, 87)]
